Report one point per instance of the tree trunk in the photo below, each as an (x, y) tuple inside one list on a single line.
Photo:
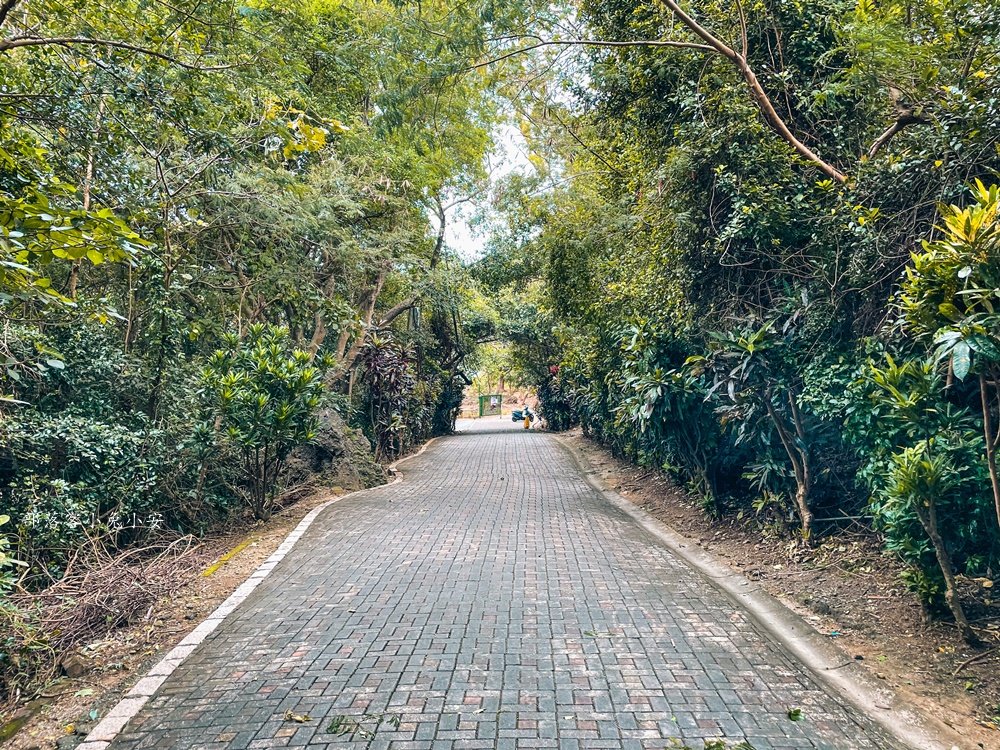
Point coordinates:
[(442, 216), (799, 457), (991, 449), (342, 339), (804, 488), (88, 181), (805, 512), (930, 524), (349, 358), (261, 490), (320, 330), (318, 336)]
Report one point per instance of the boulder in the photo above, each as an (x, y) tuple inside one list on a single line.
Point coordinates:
[(339, 456)]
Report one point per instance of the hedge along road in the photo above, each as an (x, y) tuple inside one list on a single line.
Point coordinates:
[(491, 599)]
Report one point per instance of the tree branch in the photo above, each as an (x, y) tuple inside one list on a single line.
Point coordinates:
[(7, 44), (763, 102), (712, 44), (904, 120), (744, 45), (591, 151), (396, 310), (591, 43), (786, 439), (439, 242), (5, 8)]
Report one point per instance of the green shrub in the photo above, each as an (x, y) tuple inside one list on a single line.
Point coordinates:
[(25, 655), (929, 482), (260, 397), (670, 409), (554, 404), (77, 474)]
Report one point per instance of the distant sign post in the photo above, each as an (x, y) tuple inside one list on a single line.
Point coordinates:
[(490, 406)]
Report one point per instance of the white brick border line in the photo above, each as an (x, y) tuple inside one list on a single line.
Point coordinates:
[(114, 721)]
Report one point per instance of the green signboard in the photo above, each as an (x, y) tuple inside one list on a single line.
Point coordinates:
[(490, 405)]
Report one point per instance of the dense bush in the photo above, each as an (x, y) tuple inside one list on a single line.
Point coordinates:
[(767, 248), (553, 403), (259, 399)]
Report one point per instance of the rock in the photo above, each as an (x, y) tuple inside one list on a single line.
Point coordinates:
[(68, 742), (821, 608), (25, 712), (74, 665), (82, 729), (338, 457)]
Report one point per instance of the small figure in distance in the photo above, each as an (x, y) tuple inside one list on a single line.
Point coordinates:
[(529, 417)]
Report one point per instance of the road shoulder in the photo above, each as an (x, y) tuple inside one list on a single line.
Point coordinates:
[(835, 669)]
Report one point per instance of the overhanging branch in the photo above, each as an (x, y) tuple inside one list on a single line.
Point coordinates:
[(901, 122), (8, 44), (711, 44), (757, 91), (396, 310), (591, 43)]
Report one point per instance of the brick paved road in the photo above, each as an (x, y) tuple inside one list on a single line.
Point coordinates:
[(490, 600)]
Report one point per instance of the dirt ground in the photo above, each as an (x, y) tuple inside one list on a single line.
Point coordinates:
[(68, 708), (848, 589)]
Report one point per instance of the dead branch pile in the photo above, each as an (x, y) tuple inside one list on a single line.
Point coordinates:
[(28, 660), (103, 590)]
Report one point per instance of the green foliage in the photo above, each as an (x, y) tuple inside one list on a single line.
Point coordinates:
[(41, 221), (24, 650), (27, 659), (747, 376), (554, 403), (924, 481), (77, 473), (720, 744), (662, 200), (494, 369), (8, 563), (260, 397), (949, 292), (671, 409), (946, 306)]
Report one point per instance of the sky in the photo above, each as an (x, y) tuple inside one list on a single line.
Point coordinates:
[(510, 155)]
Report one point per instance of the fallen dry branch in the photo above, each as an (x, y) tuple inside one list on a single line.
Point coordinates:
[(972, 660), (103, 591)]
